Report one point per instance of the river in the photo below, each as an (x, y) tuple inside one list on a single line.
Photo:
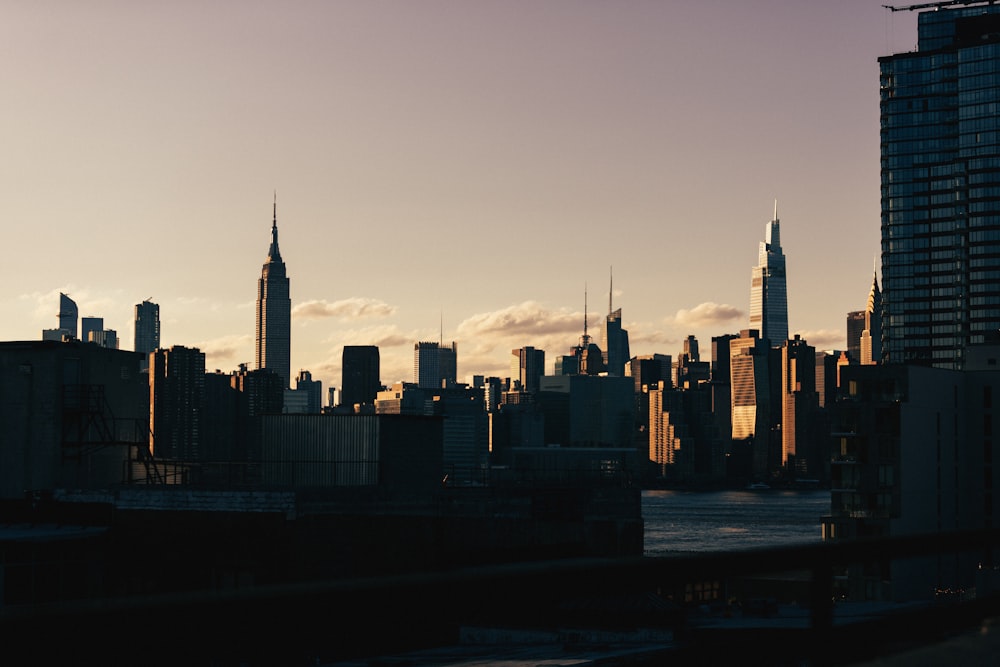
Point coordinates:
[(686, 521)]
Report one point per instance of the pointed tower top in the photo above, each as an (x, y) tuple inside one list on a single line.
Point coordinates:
[(273, 254), (611, 290), (775, 208)]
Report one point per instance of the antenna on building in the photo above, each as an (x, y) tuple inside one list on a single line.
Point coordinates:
[(611, 290)]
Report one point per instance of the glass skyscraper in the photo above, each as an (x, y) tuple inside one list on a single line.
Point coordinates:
[(768, 289), (940, 145), (274, 312)]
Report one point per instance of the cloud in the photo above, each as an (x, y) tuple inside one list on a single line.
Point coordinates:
[(528, 318), (232, 348), (707, 314), (823, 339), (345, 309)]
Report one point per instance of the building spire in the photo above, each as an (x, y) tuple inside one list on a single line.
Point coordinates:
[(273, 254), (611, 290), (775, 218)]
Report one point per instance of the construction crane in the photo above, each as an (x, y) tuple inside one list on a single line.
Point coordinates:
[(938, 5)]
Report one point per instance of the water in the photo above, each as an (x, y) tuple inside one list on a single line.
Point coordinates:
[(685, 521)]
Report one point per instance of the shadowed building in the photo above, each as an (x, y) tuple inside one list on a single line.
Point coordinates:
[(176, 400), (360, 379), (147, 327), (435, 365)]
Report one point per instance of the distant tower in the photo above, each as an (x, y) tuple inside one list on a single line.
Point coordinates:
[(871, 336), (616, 352), (855, 329), (526, 367), (360, 381), (434, 365), (768, 291), (68, 314), (89, 327), (147, 327), (274, 312)]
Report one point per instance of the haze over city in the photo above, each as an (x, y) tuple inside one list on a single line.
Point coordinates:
[(442, 170)]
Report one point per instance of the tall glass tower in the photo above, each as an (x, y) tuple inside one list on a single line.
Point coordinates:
[(768, 291), (940, 161), (274, 312)]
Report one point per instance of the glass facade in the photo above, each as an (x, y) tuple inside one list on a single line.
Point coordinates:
[(768, 287), (940, 159)]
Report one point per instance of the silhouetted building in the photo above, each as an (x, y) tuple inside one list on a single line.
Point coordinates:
[(274, 313), (940, 177), (147, 327), (587, 411), (360, 379), (855, 329), (803, 450), (73, 416), (768, 289), (68, 313), (176, 400), (913, 452), (616, 351), (689, 370), (306, 397), (685, 445)]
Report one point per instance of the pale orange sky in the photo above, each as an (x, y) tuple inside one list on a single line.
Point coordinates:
[(460, 169)]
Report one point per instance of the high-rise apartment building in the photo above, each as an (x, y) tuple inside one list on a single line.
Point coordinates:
[(940, 179), (274, 312), (176, 402), (855, 328), (147, 326), (616, 353), (360, 369), (768, 289)]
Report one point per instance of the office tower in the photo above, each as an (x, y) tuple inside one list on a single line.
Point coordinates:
[(68, 314), (871, 335), (526, 367), (768, 291), (105, 338), (89, 326), (360, 375), (855, 328), (616, 352), (147, 327), (750, 390), (176, 402), (434, 365), (274, 312), (940, 174)]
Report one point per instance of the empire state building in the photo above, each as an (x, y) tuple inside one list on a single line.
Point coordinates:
[(274, 312)]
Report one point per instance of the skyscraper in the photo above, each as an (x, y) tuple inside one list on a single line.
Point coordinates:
[(768, 291), (68, 314), (274, 312), (940, 177), (147, 326), (434, 364), (616, 352), (360, 381), (176, 400)]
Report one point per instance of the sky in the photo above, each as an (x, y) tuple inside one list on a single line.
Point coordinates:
[(480, 172)]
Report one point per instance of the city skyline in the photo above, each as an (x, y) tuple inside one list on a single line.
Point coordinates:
[(454, 172)]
